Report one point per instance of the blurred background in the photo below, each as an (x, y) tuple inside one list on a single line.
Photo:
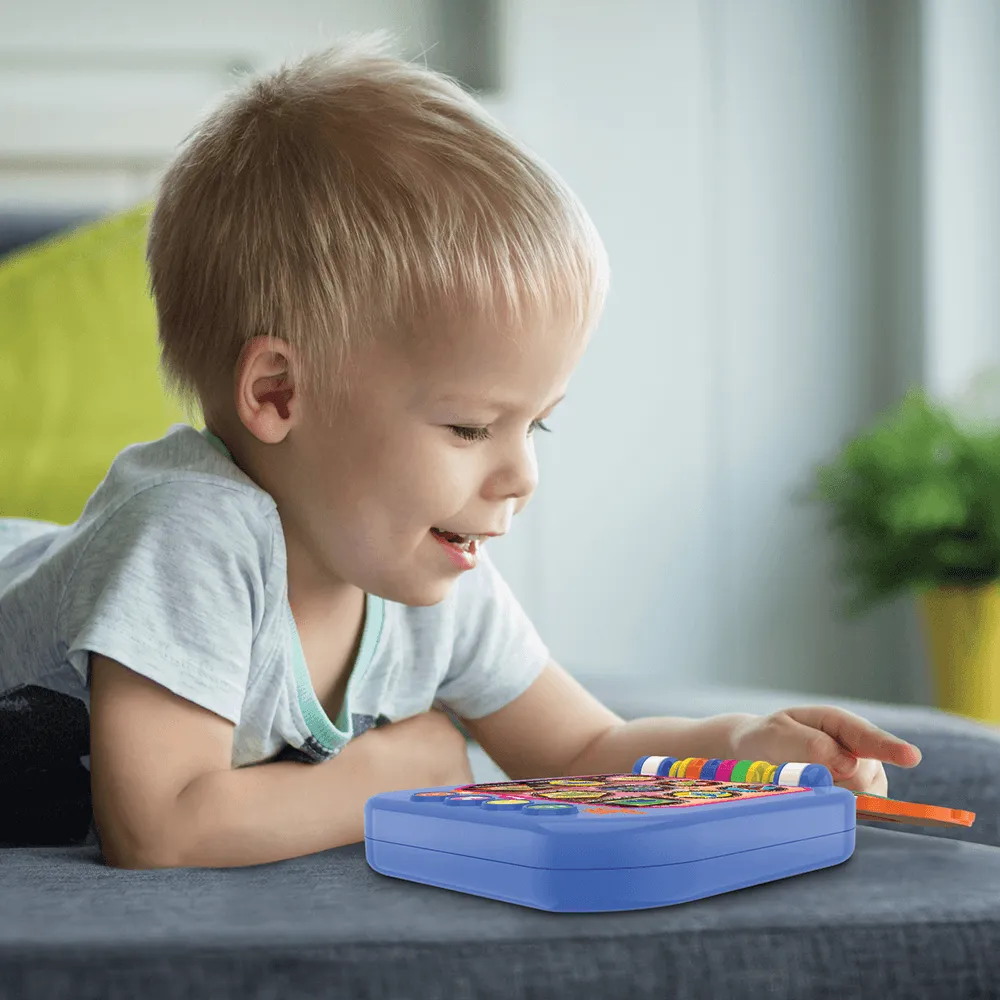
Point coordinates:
[(801, 206)]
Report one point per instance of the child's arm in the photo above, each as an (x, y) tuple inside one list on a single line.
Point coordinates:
[(165, 794), (849, 746), (557, 727)]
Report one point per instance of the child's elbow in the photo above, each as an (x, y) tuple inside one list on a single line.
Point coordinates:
[(140, 861), (137, 856)]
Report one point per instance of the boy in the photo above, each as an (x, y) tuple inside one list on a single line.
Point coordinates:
[(375, 297)]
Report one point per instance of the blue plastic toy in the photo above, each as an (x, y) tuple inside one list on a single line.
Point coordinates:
[(615, 841)]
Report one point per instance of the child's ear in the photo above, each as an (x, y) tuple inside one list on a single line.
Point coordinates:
[(267, 400)]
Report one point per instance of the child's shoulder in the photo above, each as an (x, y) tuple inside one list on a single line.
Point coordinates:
[(185, 478), (188, 459)]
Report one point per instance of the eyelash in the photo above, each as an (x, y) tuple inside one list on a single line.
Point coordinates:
[(483, 433)]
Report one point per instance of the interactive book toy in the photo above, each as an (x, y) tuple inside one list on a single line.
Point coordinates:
[(672, 831)]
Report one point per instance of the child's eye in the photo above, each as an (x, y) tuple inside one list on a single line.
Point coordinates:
[(471, 433), (483, 433)]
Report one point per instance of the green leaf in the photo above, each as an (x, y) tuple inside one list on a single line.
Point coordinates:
[(914, 502)]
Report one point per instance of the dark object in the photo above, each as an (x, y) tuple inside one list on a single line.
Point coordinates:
[(467, 37), (44, 787), (19, 229)]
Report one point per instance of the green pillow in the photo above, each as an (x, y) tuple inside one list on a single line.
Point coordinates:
[(78, 365)]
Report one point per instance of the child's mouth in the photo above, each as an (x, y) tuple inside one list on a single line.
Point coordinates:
[(464, 543)]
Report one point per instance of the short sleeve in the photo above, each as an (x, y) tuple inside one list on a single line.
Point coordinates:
[(171, 585), (497, 653)]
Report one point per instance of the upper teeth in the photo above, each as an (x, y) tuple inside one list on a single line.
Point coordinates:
[(466, 538)]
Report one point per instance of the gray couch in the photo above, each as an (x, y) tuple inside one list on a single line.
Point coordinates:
[(910, 915)]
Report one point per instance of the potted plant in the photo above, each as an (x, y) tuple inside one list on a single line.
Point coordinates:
[(914, 501)]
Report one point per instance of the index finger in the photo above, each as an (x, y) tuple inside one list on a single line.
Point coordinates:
[(857, 735)]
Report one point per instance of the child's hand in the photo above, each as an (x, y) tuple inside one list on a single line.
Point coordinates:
[(852, 748)]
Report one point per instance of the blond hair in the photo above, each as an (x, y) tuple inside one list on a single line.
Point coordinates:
[(353, 195)]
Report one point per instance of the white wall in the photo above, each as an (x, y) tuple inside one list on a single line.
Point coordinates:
[(94, 96), (617, 568), (802, 325), (962, 155), (733, 155), (783, 262)]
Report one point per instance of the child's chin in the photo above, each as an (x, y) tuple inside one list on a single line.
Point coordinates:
[(428, 595)]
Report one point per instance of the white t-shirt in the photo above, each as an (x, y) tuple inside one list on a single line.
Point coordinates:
[(177, 569)]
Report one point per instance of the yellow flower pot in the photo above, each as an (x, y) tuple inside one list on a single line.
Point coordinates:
[(962, 626)]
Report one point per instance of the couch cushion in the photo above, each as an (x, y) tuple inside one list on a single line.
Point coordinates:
[(78, 365), (908, 916)]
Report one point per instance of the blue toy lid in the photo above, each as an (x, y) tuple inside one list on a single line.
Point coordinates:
[(573, 834)]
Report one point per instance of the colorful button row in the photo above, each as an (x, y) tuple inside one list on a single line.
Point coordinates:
[(791, 775), (500, 805)]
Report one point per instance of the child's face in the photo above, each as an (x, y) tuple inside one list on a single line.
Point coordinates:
[(370, 486)]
